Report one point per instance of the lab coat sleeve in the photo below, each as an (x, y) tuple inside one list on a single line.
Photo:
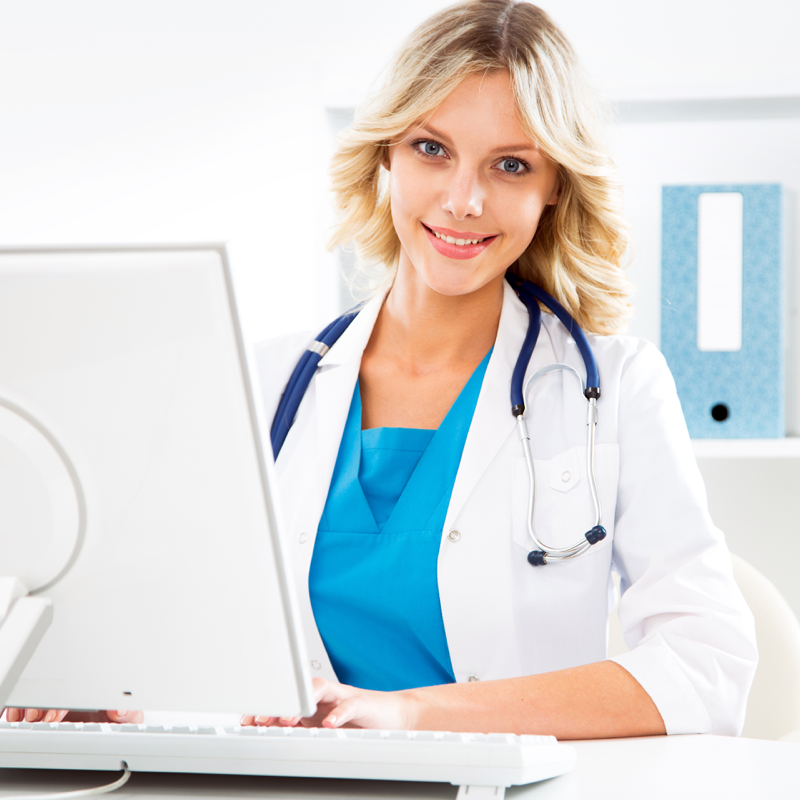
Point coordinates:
[(691, 634)]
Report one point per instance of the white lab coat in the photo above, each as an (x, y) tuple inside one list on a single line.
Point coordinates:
[(691, 635)]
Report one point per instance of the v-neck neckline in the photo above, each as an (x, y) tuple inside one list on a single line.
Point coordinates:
[(435, 471)]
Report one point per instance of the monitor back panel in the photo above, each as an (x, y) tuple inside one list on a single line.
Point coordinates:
[(137, 490)]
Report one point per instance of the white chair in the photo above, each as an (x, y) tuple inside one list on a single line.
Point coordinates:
[(773, 708)]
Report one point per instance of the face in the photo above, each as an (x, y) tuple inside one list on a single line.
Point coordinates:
[(468, 173)]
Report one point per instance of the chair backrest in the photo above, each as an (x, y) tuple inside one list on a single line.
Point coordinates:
[(773, 707)]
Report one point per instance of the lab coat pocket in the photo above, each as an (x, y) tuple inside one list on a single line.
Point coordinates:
[(563, 507)]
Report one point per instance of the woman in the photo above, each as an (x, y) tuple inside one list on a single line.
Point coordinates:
[(403, 480)]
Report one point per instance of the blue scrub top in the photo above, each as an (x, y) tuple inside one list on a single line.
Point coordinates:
[(373, 577)]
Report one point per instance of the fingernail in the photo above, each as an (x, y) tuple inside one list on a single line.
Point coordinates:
[(121, 714), (31, 714), (50, 716)]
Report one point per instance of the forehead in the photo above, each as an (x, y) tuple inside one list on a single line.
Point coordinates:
[(482, 108)]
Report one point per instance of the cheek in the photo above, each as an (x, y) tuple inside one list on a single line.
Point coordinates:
[(409, 195), (521, 218)]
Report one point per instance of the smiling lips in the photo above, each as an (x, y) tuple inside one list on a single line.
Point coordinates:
[(457, 244)]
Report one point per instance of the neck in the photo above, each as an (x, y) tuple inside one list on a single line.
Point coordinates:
[(427, 331)]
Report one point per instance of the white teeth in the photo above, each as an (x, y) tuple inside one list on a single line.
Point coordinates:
[(459, 242)]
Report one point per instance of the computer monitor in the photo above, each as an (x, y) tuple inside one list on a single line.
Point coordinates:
[(135, 486)]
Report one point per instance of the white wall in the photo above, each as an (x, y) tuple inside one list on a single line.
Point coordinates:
[(166, 120)]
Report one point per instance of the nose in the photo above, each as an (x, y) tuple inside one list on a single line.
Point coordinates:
[(464, 194)]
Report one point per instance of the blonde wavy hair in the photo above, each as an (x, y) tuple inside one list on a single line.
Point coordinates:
[(577, 251)]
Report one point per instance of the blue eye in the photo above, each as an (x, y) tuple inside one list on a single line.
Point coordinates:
[(429, 147), (511, 165)]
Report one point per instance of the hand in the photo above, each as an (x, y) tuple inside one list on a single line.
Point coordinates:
[(63, 715), (346, 706)]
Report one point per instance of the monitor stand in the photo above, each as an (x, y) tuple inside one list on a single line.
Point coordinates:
[(23, 622), (42, 522)]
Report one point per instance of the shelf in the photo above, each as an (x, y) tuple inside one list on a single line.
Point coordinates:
[(714, 109), (747, 448)]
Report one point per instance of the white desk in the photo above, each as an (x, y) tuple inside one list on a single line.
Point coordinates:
[(673, 768)]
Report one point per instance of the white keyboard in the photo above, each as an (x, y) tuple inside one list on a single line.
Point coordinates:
[(481, 764)]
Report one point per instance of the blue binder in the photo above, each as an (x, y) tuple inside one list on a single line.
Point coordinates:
[(726, 394)]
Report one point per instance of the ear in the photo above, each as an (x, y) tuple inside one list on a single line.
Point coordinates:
[(386, 162), (555, 195)]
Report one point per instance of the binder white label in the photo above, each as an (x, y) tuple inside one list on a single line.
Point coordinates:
[(719, 271)]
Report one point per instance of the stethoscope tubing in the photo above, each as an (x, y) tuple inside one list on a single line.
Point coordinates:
[(554, 553), (529, 293), (301, 378)]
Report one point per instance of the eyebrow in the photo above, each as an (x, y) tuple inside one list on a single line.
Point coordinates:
[(503, 149)]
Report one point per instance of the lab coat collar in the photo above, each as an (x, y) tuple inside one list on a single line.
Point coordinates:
[(351, 344), (493, 421), (336, 376)]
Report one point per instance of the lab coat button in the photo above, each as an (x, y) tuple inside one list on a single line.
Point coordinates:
[(303, 538), (454, 536), (473, 678), (566, 477), (315, 664)]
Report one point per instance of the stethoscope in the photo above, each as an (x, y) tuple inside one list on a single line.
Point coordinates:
[(531, 295)]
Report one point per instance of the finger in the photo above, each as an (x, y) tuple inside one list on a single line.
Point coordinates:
[(247, 720), (266, 721), (13, 715), (289, 722), (33, 714), (346, 711), (123, 715), (54, 715), (329, 692)]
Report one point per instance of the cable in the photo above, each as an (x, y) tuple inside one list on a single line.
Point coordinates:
[(80, 497), (109, 787)]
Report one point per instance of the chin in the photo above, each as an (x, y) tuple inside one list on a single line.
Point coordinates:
[(456, 282), (452, 287)]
